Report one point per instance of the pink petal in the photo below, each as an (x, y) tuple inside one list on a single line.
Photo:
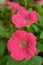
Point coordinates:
[(18, 21), (21, 7), (33, 17), (31, 39), (13, 4), (12, 43), (30, 52), (20, 35), (17, 54), (23, 13)]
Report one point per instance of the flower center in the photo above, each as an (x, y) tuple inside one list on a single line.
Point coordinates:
[(27, 20), (23, 44)]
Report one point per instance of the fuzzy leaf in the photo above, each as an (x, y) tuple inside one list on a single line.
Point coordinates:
[(34, 61)]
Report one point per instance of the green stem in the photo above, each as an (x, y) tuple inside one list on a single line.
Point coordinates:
[(25, 2)]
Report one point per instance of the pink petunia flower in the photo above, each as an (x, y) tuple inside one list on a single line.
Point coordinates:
[(22, 45), (14, 5), (24, 18)]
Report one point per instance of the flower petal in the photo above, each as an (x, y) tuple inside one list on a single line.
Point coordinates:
[(23, 13), (33, 17), (18, 21), (17, 54), (20, 35), (12, 44), (13, 4), (31, 39), (30, 52)]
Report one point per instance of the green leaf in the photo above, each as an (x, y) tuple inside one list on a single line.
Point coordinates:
[(39, 10), (34, 61), (6, 30), (42, 60), (30, 9), (2, 46), (40, 46), (38, 50), (35, 28), (41, 35), (3, 60), (40, 21)]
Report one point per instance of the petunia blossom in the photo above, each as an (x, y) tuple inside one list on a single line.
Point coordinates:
[(24, 18), (22, 45), (14, 5)]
